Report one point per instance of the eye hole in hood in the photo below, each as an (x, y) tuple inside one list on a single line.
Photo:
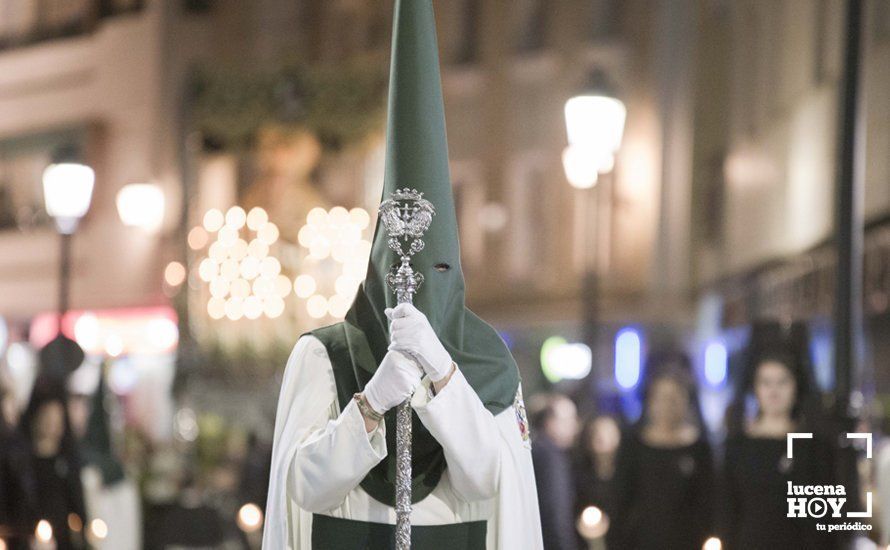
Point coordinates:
[(441, 267)]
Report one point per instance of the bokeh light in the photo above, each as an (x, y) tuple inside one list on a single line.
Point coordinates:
[(250, 518), (627, 358), (716, 363), (317, 306), (239, 288), (216, 308), (75, 523), (258, 249), (174, 274), (592, 523), (213, 220), (198, 238), (236, 217), (281, 286), (250, 268), (304, 286), (234, 308), (270, 267), (99, 529), (208, 270), (273, 306), (253, 307), (268, 233), (44, 531), (227, 235), (219, 287), (244, 279), (333, 236), (360, 217), (256, 218)]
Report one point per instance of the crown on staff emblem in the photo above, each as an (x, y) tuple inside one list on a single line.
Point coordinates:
[(406, 216)]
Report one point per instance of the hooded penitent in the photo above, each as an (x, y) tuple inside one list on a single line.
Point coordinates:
[(417, 158), (97, 447)]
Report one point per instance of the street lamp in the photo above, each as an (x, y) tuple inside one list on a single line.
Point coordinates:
[(595, 126), (67, 192)]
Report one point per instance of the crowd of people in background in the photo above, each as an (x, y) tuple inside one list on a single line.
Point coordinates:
[(663, 482), (40, 469), (61, 483)]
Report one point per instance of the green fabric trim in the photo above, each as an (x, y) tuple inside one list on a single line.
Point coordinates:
[(336, 533)]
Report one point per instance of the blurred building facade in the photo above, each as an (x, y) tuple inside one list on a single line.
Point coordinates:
[(769, 117), (529, 239), (85, 72), (719, 210), (722, 189), (766, 157)]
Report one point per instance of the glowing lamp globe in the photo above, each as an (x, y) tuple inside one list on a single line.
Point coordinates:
[(595, 121), (594, 126), (580, 171), (67, 192)]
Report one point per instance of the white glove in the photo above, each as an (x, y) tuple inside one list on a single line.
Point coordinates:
[(410, 332), (393, 382)]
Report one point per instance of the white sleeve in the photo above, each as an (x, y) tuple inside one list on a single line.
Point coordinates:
[(334, 452), (319, 454), (517, 522), (468, 434), (334, 459), (488, 456)]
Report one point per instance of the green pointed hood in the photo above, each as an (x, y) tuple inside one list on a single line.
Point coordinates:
[(417, 158)]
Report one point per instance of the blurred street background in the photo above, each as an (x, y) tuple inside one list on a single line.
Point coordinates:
[(643, 187)]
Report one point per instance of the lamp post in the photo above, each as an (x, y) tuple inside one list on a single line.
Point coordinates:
[(848, 234), (594, 127), (67, 192)]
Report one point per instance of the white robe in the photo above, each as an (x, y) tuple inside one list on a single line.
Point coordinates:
[(321, 454), (118, 505)]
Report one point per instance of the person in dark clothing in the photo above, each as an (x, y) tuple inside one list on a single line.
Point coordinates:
[(757, 468), (554, 422), (55, 462), (595, 464), (17, 484), (664, 481), (254, 483), (758, 472)]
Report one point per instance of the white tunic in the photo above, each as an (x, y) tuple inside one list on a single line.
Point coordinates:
[(118, 505), (321, 454)]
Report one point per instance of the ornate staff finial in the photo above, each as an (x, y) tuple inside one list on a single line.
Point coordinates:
[(406, 215)]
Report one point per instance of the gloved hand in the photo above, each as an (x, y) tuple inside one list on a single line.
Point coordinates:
[(393, 382), (410, 332)]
